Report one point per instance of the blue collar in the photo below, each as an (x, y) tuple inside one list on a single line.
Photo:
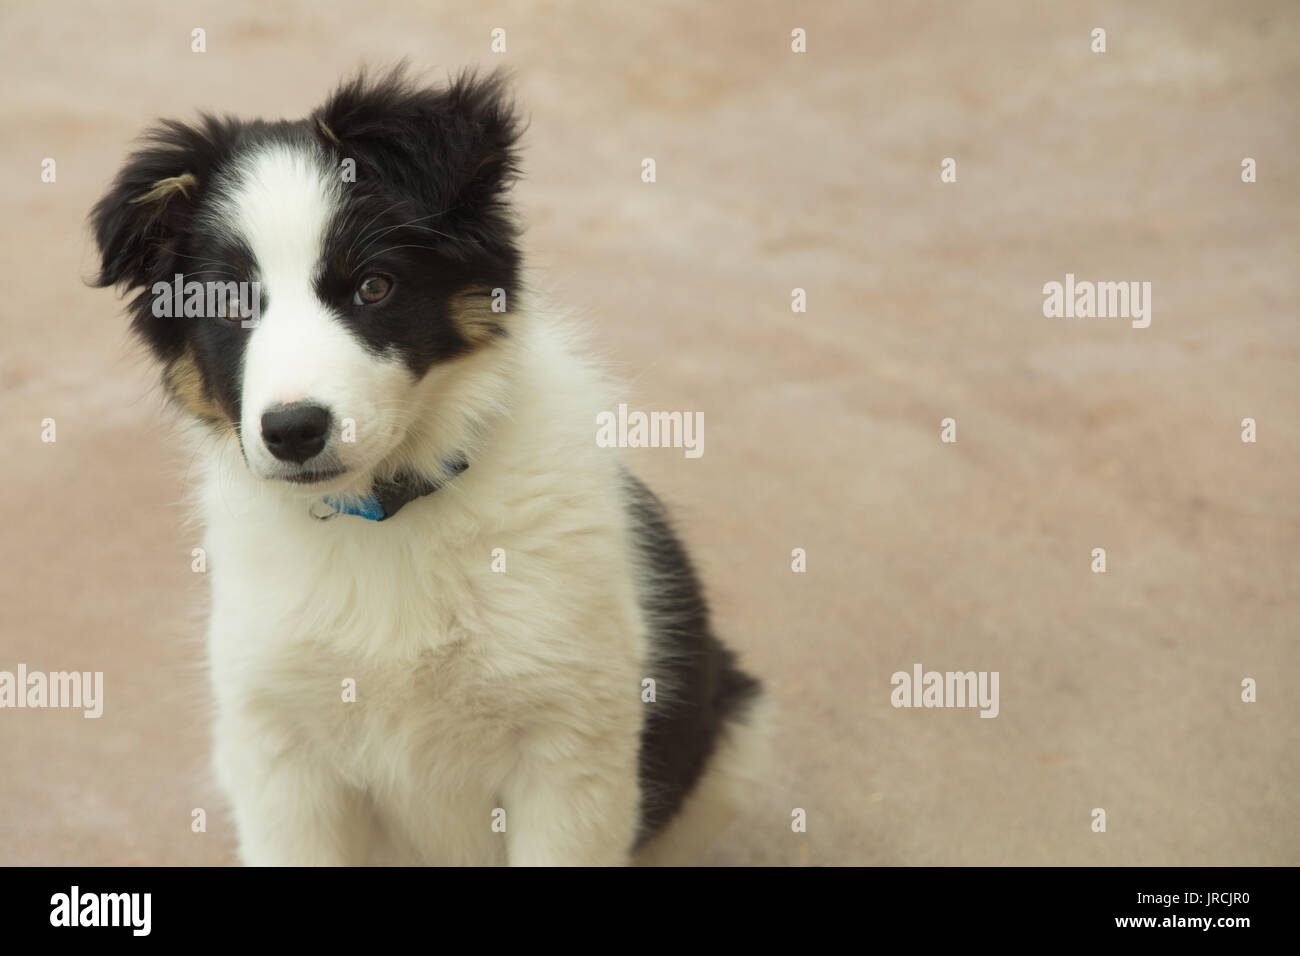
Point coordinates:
[(387, 496)]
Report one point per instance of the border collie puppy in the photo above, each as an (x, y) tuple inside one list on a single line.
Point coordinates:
[(437, 604)]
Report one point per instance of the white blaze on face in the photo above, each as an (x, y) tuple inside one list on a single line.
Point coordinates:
[(283, 202)]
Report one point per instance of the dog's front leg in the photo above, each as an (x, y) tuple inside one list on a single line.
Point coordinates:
[(581, 810), (289, 810)]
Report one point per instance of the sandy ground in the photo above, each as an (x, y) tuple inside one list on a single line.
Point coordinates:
[(821, 171)]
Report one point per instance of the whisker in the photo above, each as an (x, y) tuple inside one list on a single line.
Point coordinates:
[(380, 233), (368, 225), (388, 250)]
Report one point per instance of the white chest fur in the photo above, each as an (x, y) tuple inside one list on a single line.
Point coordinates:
[(482, 696)]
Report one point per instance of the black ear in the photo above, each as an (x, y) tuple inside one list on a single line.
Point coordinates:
[(455, 148), (141, 221)]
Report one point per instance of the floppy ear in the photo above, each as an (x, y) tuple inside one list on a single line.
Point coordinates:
[(141, 220), (455, 148)]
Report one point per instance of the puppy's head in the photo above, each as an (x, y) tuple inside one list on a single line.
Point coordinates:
[(298, 280)]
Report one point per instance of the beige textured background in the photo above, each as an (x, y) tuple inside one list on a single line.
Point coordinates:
[(822, 430)]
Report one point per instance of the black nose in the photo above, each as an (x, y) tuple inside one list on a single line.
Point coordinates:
[(295, 432)]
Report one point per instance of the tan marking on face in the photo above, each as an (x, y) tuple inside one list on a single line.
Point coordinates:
[(471, 310), (185, 382)]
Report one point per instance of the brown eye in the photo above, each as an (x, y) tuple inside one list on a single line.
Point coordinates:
[(372, 289)]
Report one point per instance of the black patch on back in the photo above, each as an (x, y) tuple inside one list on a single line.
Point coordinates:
[(702, 688)]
